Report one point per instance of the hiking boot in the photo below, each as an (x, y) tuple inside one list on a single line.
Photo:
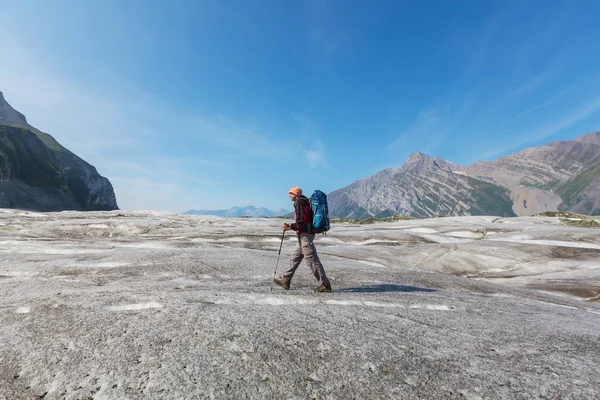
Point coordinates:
[(323, 288), (284, 283)]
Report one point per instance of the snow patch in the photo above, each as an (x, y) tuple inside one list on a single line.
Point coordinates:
[(279, 301), (506, 295), (371, 241), (146, 245), (97, 226), (422, 230), (561, 243), (66, 251), (466, 234), (442, 239), (287, 300), (371, 263), (15, 274), (133, 307), (363, 303), (100, 265), (434, 307)]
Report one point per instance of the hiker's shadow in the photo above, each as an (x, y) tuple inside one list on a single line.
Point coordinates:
[(386, 287)]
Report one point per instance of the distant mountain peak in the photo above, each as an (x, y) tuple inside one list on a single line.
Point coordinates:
[(422, 187), (417, 162), (593, 137), (10, 116), (417, 156), (247, 211)]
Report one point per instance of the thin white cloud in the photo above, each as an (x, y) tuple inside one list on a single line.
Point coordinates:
[(316, 156), (477, 47), (426, 123), (229, 134), (169, 170), (534, 82), (326, 37), (79, 118), (543, 105), (582, 112), (123, 131), (304, 122), (314, 151)]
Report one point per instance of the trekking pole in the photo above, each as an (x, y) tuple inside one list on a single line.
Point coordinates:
[(278, 255)]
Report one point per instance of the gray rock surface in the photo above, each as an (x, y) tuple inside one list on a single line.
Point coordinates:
[(131, 305)]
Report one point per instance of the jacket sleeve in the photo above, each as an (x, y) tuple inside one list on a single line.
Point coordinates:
[(300, 215)]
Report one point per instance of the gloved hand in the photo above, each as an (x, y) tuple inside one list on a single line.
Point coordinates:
[(286, 227)]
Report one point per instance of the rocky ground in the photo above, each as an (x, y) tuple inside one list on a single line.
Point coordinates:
[(123, 305)]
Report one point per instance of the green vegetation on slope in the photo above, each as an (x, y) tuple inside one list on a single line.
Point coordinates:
[(573, 219), (542, 186), (570, 192), (43, 136), (49, 141), (37, 169), (490, 199)]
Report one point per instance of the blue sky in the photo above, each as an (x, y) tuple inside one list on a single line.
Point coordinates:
[(214, 104)]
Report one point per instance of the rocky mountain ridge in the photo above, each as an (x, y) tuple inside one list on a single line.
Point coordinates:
[(37, 173), (561, 175), (422, 187)]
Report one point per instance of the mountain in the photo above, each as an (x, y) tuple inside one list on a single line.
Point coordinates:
[(422, 187), (248, 211), (561, 175), (37, 173)]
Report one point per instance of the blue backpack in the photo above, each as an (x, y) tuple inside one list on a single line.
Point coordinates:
[(320, 211)]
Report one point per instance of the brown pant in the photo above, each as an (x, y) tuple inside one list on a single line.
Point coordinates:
[(306, 250)]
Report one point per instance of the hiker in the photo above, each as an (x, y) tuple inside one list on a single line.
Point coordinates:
[(306, 248)]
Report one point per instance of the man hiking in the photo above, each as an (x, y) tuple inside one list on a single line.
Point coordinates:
[(306, 247)]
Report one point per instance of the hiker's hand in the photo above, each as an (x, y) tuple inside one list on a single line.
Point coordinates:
[(286, 227)]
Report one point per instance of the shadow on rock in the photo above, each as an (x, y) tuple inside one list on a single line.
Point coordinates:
[(384, 288)]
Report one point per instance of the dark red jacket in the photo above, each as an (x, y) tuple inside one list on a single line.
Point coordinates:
[(303, 214)]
